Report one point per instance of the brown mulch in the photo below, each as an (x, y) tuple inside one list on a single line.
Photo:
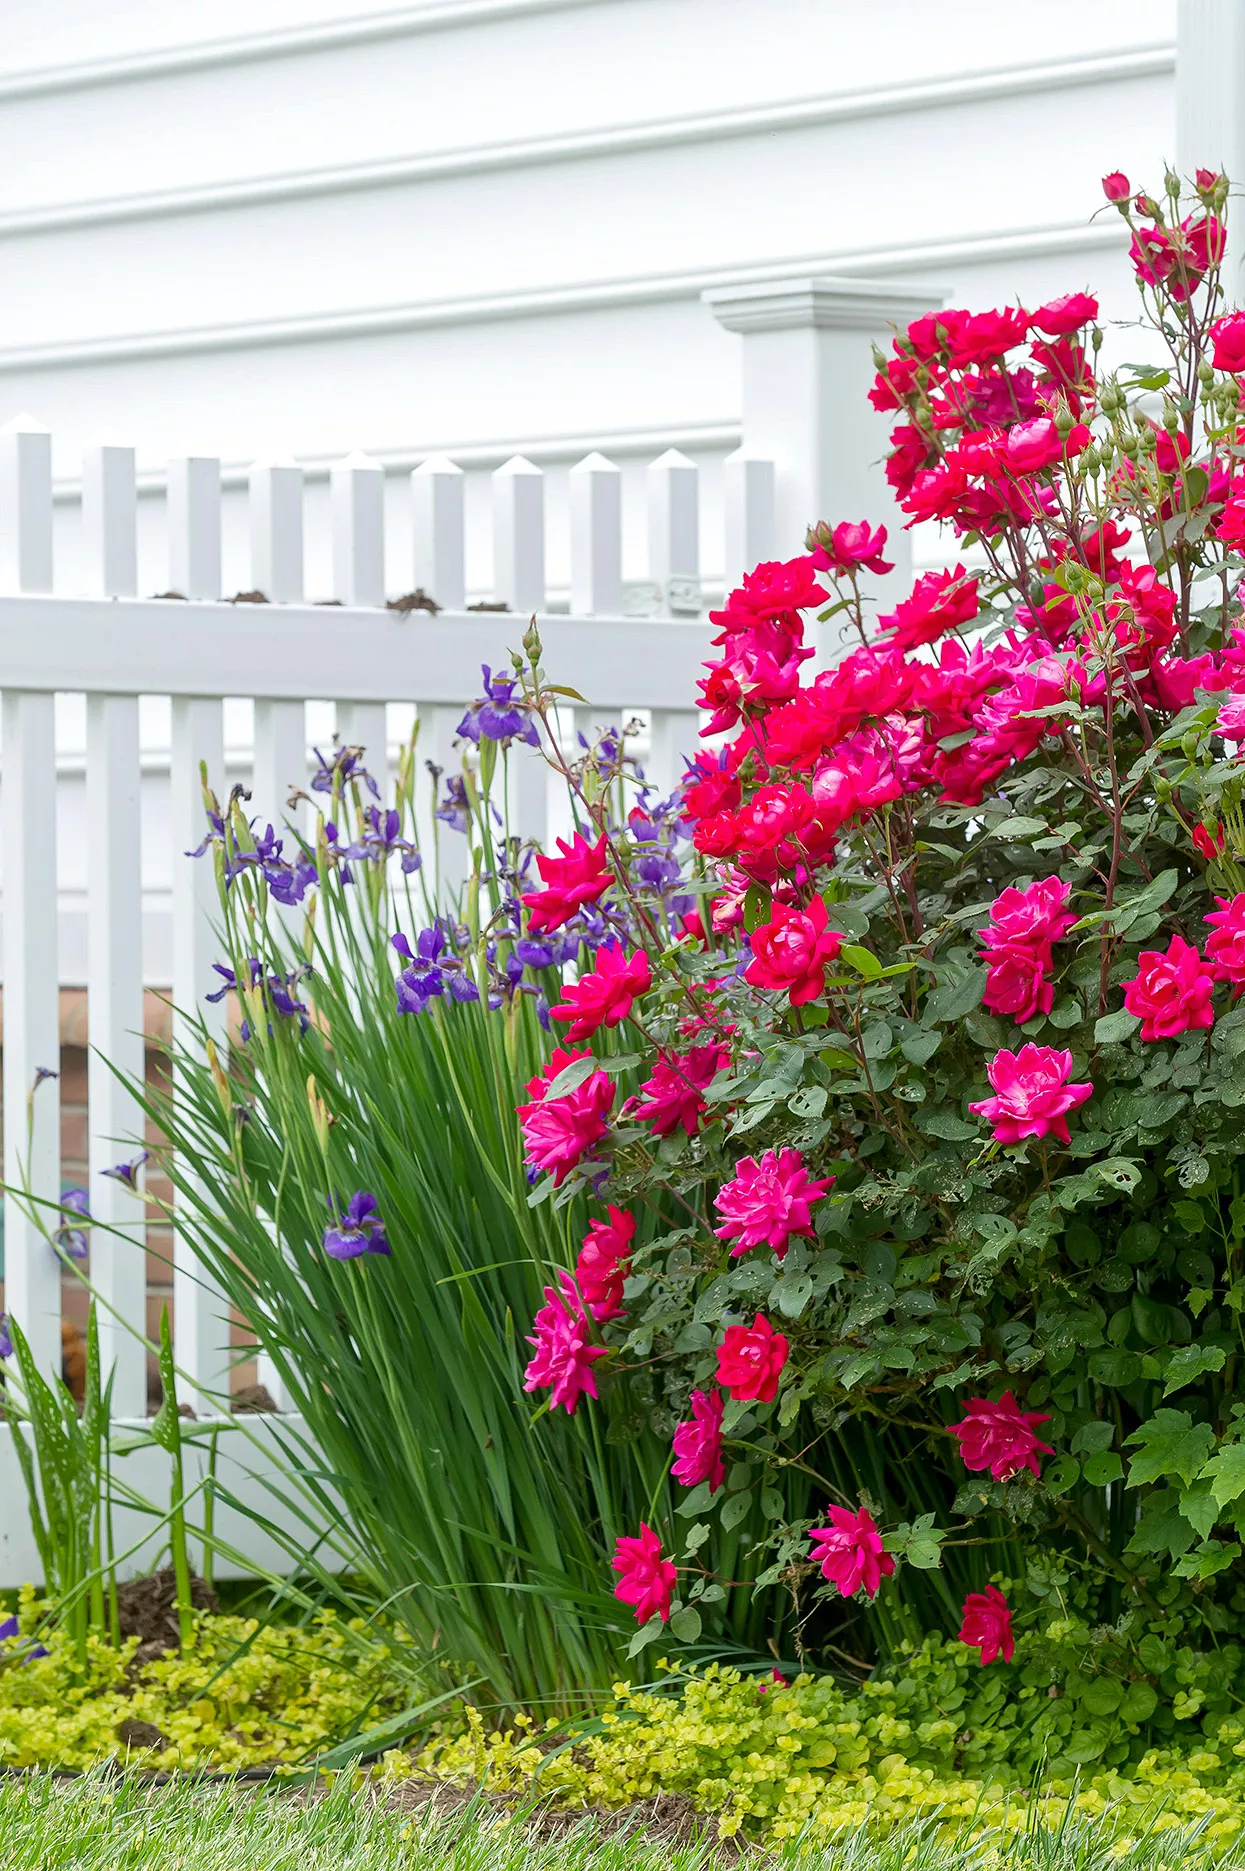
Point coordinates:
[(148, 1611)]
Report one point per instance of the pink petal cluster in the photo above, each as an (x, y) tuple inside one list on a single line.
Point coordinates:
[(792, 951), (998, 1435), (647, 1580), (766, 1203), (559, 1132), (604, 997), (850, 545), (698, 1444), (987, 1625), (563, 1358), (850, 1552), (940, 601), (1225, 948), (604, 1262), (751, 1359), (1033, 1097), (1171, 991), (671, 1094), (579, 876), (1017, 947)]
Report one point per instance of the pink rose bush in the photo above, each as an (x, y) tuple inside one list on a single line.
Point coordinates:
[(917, 1062)]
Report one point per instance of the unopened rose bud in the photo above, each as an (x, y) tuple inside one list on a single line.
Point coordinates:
[(1171, 183), (1162, 790), (1064, 420), (1171, 418), (1128, 444), (1116, 186), (1206, 179), (1146, 204), (531, 642), (1205, 374)]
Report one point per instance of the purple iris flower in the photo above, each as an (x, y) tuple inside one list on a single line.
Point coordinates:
[(497, 716), (454, 810), (6, 1343), (289, 883), (382, 835), (128, 1172), (72, 1241), (9, 1632), (416, 987), (358, 1230), (346, 764), (533, 954), (230, 979), (216, 831)]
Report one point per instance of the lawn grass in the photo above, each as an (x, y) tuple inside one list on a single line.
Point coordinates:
[(99, 1824)]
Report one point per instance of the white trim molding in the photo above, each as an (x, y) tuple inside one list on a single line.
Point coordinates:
[(1072, 237), (613, 140), (819, 304), (291, 42)]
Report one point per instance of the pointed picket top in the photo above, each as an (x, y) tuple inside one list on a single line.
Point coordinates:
[(596, 463), (518, 464), (437, 464), (673, 458), (25, 424)]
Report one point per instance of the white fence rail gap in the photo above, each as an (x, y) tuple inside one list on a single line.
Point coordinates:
[(114, 649)]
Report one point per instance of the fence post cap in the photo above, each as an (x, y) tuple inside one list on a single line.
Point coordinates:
[(822, 302)]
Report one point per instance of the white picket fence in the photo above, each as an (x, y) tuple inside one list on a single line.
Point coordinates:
[(113, 647)]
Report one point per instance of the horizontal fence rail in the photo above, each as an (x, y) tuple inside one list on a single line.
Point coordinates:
[(200, 651)]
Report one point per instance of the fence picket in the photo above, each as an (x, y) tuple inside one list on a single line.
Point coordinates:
[(519, 535), (363, 724), (25, 506), (748, 503), (110, 519), (673, 484), (275, 499), (596, 537), (194, 526), (358, 498), (437, 511)]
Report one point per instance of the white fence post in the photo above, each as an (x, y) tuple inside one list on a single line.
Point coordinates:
[(674, 738), (437, 511), (358, 497), (201, 1322), (748, 512), (1210, 108), (596, 537), (275, 498), (115, 950), (674, 532), (31, 990), (519, 535), (194, 526)]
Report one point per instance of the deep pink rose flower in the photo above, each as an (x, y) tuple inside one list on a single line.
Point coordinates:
[(1032, 1097), (1017, 947), (1116, 186), (1225, 949), (604, 997), (579, 876), (939, 602), (604, 1262), (1230, 721), (1017, 981), (559, 1132), (792, 950), (850, 1552), (1060, 316), (854, 543), (773, 589), (647, 1580), (1229, 336), (563, 1359), (1037, 444), (751, 1360), (698, 1444), (1038, 914), (671, 1094), (1171, 992), (1211, 844), (999, 1436), (987, 1625), (766, 1203)]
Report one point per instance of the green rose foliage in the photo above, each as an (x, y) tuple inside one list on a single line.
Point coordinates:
[(1053, 712)]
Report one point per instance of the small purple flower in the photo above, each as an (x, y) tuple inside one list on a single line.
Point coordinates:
[(230, 979), (128, 1172), (454, 810), (42, 1072), (382, 835), (534, 954), (497, 716), (6, 1342), (10, 1632), (358, 1230), (346, 764), (72, 1241)]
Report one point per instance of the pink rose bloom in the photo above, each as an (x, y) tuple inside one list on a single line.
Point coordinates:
[(1060, 316), (604, 1263), (1116, 186), (1017, 982), (1033, 445), (853, 543), (672, 1093), (850, 1552), (1230, 721), (940, 601), (999, 1436), (604, 997), (1032, 1097), (792, 951), (563, 1358), (698, 1444), (647, 1580), (751, 1360), (987, 1625), (1038, 914), (1225, 949), (579, 876), (767, 1202), (1171, 992), (559, 1132), (1229, 336)]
